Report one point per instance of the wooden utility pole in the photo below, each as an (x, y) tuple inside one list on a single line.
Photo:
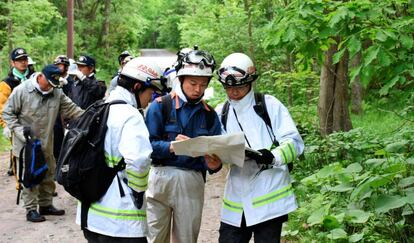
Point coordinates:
[(70, 29), (10, 30)]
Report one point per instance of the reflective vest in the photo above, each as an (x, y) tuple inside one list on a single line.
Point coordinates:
[(127, 137), (260, 193)]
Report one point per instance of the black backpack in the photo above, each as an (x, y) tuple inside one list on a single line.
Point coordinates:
[(32, 163), (81, 167)]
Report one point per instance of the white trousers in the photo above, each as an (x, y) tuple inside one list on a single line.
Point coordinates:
[(174, 196)]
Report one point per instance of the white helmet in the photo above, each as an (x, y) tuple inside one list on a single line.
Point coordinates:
[(181, 53), (141, 69), (237, 69), (196, 63)]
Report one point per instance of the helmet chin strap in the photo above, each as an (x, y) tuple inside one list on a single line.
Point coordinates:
[(191, 101), (137, 91)]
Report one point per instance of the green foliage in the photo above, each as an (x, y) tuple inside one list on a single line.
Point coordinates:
[(4, 142), (355, 186), (220, 28), (380, 30)]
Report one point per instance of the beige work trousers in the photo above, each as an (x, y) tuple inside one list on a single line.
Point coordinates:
[(41, 194), (174, 196)]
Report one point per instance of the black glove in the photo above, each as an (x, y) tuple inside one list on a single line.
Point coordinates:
[(265, 159), (27, 132), (138, 198)]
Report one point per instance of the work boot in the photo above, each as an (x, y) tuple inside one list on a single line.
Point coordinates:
[(51, 210), (34, 216)]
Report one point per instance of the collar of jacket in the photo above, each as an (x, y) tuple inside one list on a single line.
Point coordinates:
[(32, 88), (245, 103), (120, 93), (180, 101)]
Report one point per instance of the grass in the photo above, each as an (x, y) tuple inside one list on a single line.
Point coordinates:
[(4, 142), (385, 116), (380, 122)]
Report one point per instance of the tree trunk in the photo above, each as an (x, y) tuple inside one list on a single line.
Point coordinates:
[(341, 119), (333, 94), (357, 89), (105, 28), (10, 30), (247, 8)]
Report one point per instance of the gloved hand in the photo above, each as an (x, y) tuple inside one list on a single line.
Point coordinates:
[(6, 132), (27, 132), (266, 158), (62, 82), (138, 198), (77, 73)]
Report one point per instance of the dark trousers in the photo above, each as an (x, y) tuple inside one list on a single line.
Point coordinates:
[(93, 237), (58, 137), (265, 232)]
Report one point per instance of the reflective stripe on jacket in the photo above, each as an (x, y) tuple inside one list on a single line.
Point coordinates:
[(260, 193), (127, 137)]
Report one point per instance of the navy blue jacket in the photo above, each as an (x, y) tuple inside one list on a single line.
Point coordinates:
[(191, 122), (86, 92)]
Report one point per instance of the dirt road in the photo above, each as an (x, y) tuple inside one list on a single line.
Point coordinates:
[(14, 227)]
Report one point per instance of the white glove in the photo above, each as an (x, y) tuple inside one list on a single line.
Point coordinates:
[(62, 82), (77, 73), (6, 132)]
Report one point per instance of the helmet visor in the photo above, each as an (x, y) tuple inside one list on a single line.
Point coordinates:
[(196, 57), (159, 85), (233, 76)]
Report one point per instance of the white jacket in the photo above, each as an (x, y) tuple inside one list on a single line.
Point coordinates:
[(261, 194), (127, 137)]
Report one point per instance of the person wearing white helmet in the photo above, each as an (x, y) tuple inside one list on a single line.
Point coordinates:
[(171, 72), (175, 192), (259, 196), (121, 217)]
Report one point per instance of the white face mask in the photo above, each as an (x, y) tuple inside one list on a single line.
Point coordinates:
[(36, 84)]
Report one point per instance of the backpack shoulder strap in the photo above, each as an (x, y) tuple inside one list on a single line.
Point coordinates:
[(166, 106), (224, 114), (261, 109), (115, 102), (210, 116)]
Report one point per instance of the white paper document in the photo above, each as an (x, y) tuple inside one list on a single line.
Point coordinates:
[(229, 148)]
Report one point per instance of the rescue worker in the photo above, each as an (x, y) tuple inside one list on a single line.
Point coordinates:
[(175, 192), (36, 104), (86, 89), (123, 58), (259, 196), (117, 218), (18, 73), (171, 73)]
